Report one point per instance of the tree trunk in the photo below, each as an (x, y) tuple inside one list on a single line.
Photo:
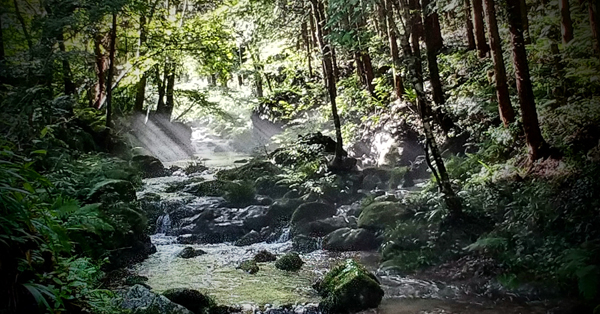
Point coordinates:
[(525, 20), (432, 45), (469, 26), (111, 69), (593, 6), (23, 25), (439, 170), (140, 93), (327, 56), (394, 52), (416, 23), (70, 87), (100, 71), (535, 142), (170, 103), (162, 83), (482, 47), (566, 24), (306, 40), (431, 23), (369, 74), (507, 114)]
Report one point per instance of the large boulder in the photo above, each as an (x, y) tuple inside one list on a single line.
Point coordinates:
[(190, 252), (140, 300), (283, 209), (191, 299), (112, 190), (255, 217), (207, 188), (310, 212), (348, 288), (270, 185), (249, 239), (264, 256), (325, 226), (305, 244), (379, 215), (347, 239), (289, 262), (149, 165), (250, 171)]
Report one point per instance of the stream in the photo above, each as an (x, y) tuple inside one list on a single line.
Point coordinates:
[(215, 273)]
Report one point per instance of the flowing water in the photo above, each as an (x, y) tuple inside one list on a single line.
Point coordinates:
[(215, 272)]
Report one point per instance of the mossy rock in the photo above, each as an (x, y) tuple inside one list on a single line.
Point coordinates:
[(312, 211), (147, 163), (250, 171), (249, 266), (346, 239), (269, 185), (349, 287), (136, 280), (379, 215), (264, 256), (289, 262), (283, 209), (190, 252), (113, 190), (208, 188), (192, 300), (239, 193)]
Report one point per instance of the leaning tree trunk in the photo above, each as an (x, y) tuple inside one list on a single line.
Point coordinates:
[(507, 114), (469, 26), (431, 42), (482, 47), (535, 142), (111, 69), (425, 112), (394, 52), (326, 54), (566, 24)]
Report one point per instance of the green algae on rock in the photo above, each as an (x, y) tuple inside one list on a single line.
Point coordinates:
[(249, 266), (349, 287), (290, 262)]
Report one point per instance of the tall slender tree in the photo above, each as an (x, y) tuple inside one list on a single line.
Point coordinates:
[(431, 42), (533, 136), (507, 114), (111, 69), (566, 24), (469, 26), (326, 54), (482, 46), (393, 42), (593, 7)]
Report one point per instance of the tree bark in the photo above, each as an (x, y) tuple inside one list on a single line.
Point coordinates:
[(432, 28), (593, 7), (161, 81), (368, 67), (111, 69), (69, 86), (394, 51), (469, 26), (425, 112), (507, 114), (431, 42), (482, 47), (416, 28), (566, 24), (140, 93), (169, 93), (306, 40), (533, 136), (327, 56), (525, 20), (101, 68)]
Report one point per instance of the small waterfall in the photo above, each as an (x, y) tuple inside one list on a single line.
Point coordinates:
[(163, 224), (285, 235)]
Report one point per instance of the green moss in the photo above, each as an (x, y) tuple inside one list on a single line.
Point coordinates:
[(240, 193), (311, 212), (349, 287), (289, 262), (249, 266), (250, 171), (379, 215)]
